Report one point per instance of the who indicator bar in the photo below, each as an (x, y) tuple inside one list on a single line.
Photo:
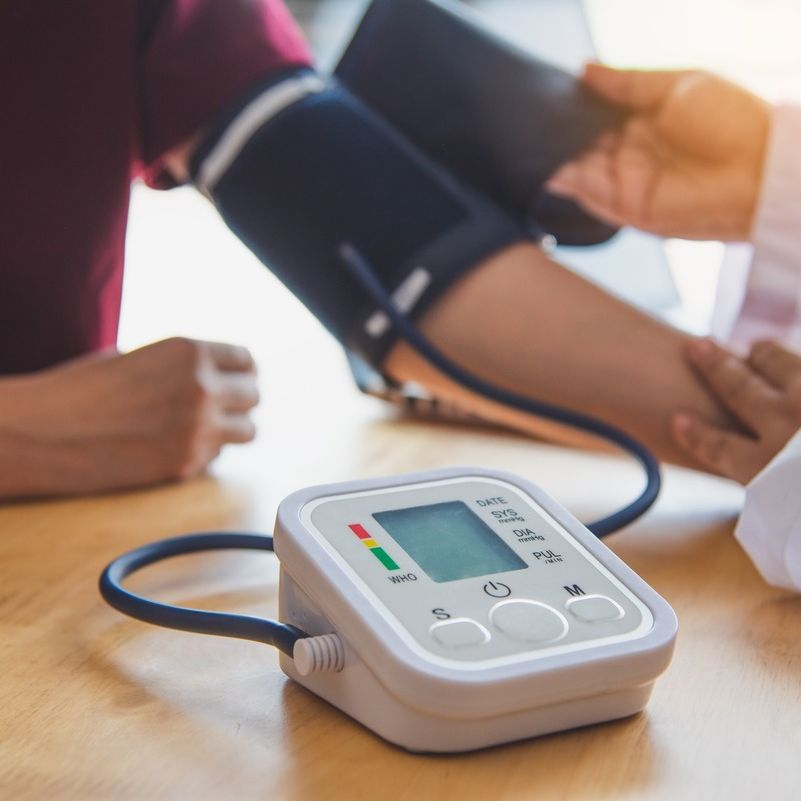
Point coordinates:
[(370, 543)]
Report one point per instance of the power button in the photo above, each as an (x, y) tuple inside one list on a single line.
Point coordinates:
[(496, 589)]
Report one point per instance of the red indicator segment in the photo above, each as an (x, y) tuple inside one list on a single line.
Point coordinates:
[(359, 531)]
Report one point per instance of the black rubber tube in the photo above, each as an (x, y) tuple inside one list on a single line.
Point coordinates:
[(244, 627), (362, 271)]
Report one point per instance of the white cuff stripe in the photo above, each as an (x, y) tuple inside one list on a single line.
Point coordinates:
[(266, 106), (405, 298)]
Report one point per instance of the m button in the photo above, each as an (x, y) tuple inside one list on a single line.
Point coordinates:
[(594, 608)]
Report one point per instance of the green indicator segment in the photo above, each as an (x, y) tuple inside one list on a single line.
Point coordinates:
[(384, 558)]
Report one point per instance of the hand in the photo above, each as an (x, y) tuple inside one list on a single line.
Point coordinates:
[(762, 391), (109, 421), (687, 163)]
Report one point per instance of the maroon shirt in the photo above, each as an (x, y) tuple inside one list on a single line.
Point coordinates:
[(93, 93)]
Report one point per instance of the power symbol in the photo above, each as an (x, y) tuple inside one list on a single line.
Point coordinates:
[(497, 590)]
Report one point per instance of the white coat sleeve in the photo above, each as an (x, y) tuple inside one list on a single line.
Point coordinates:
[(769, 528), (763, 299)]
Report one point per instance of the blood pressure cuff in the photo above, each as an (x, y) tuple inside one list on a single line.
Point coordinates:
[(494, 115), (300, 168)]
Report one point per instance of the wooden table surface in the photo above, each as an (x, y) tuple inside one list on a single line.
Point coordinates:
[(96, 706)]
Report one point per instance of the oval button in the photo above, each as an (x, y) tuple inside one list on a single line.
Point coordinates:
[(527, 620), (459, 633), (594, 608)]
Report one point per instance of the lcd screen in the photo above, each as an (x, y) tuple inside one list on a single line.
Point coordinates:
[(449, 541)]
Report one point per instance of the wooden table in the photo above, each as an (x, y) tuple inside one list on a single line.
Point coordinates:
[(96, 706)]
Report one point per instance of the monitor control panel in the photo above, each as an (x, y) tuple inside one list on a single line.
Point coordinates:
[(473, 569)]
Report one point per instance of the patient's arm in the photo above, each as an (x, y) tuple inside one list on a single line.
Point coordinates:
[(108, 421), (523, 321), (518, 319)]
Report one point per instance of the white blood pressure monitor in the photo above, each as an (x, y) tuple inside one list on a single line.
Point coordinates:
[(473, 609)]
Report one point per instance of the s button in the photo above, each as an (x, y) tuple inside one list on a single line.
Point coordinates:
[(459, 632)]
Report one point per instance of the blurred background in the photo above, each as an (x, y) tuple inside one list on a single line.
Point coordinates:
[(188, 275)]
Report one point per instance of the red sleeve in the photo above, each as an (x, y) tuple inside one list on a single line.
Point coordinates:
[(199, 56)]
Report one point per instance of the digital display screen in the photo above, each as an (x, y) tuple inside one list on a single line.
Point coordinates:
[(449, 541)]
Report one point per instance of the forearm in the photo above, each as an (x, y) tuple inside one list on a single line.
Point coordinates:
[(526, 323), (112, 421), (29, 464), (45, 449)]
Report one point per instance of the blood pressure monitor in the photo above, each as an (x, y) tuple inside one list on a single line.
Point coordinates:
[(468, 609)]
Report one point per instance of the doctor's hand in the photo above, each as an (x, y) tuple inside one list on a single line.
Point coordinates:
[(762, 391), (110, 421), (687, 163)]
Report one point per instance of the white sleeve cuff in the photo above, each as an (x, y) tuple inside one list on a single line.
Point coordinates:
[(763, 300), (769, 528), (777, 232)]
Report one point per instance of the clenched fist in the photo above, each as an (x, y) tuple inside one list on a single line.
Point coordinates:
[(111, 421)]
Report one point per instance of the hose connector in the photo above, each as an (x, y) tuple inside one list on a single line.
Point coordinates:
[(322, 654)]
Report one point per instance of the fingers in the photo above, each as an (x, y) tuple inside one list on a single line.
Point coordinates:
[(774, 363), (233, 358), (590, 180), (229, 379), (237, 429), (608, 141), (616, 179), (746, 389), (734, 383), (637, 166), (238, 392), (634, 89), (732, 455)]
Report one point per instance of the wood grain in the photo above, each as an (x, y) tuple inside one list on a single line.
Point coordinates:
[(95, 706)]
